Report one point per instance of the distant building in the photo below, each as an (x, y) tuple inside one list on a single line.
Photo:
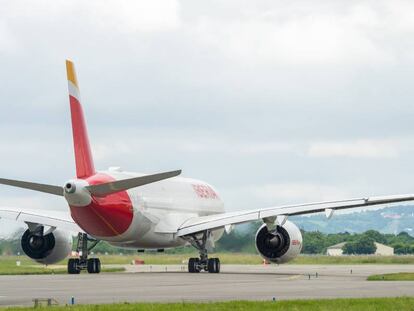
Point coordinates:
[(382, 250), (335, 250)]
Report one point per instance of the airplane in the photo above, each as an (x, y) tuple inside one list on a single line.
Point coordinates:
[(150, 211)]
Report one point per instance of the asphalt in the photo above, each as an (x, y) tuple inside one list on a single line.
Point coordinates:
[(172, 283)]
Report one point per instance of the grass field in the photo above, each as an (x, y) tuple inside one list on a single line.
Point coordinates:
[(352, 260), (366, 304), (172, 259), (8, 263), (252, 259), (392, 277), (8, 267)]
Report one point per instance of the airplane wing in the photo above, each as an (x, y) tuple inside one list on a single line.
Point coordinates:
[(61, 220), (280, 214)]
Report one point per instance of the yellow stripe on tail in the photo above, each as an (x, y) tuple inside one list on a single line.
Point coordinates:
[(83, 154), (70, 70)]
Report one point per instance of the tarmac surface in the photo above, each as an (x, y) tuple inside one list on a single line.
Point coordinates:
[(235, 282)]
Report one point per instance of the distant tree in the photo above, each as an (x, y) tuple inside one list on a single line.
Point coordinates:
[(104, 247), (376, 236), (402, 248), (236, 242), (404, 236), (313, 242), (242, 240), (349, 248), (364, 245)]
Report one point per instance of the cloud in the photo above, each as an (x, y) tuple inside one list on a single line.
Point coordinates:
[(133, 16), (304, 34), (270, 101), (108, 15), (355, 149), (194, 142), (232, 146), (7, 41), (297, 192)]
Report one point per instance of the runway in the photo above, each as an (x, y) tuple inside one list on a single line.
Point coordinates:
[(236, 282)]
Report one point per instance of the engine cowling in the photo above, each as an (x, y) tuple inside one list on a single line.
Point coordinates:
[(280, 245), (49, 248)]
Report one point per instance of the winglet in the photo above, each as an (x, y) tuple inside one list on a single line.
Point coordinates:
[(83, 154)]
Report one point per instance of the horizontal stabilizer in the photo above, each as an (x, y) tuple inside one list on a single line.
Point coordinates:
[(125, 184), (56, 190)]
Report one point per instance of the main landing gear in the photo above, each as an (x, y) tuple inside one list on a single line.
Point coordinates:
[(92, 265), (195, 265)]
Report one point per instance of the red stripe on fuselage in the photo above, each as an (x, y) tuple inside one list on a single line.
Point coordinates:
[(107, 216)]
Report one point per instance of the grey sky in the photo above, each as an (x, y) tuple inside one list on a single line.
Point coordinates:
[(271, 101)]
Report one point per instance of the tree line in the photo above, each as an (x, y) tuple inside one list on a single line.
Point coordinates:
[(242, 241), (316, 242)]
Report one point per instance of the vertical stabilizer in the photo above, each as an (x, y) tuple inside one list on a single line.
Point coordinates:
[(83, 155)]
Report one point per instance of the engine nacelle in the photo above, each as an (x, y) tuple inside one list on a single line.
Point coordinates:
[(280, 245), (49, 248)]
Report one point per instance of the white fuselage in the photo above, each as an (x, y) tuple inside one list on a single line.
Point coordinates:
[(160, 208)]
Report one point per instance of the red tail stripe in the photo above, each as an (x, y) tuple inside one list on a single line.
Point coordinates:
[(83, 155)]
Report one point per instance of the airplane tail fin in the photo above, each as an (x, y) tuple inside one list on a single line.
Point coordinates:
[(83, 154)]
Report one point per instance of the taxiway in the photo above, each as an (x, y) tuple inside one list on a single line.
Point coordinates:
[(236, 282)]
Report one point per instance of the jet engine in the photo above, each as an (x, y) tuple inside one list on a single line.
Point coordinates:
[(47, 249), (280, 245)]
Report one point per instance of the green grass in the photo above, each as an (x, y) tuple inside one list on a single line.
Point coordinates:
[(176, 259), (402, 276), (8, 267), (365, 304), (8, 263), (352, 260), (252, 259)]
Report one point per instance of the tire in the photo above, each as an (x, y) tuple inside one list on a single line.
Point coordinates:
[(193, 265), (77, 265), (217, 265), (98, 265), (94, 265), (90, 266), (73, 266), (213, 265)]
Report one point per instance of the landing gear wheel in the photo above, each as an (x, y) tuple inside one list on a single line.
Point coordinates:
[(94, 265), (217, 265), (213, 265), (98, 265), (199, 241), (73, 264), (193, 265)]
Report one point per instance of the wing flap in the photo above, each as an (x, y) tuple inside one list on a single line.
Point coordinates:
[(206, 223)]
